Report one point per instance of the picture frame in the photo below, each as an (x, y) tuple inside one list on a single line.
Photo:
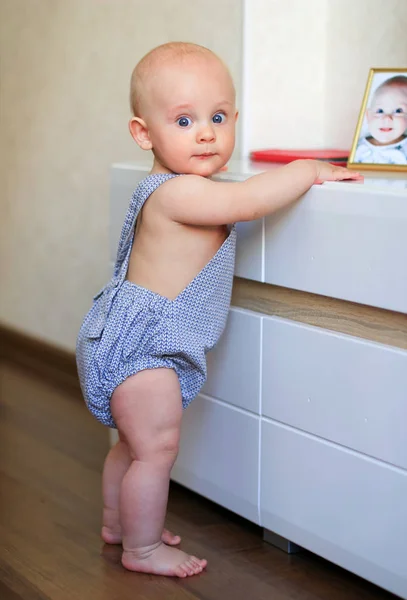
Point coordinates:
[(380, 140)]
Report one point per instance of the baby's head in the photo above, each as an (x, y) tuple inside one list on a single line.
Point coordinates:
[(183, 101), (387, 113)]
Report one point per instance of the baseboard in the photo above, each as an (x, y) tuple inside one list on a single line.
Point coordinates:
[(39, 357)]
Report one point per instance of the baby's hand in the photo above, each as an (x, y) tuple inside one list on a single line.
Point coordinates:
[(327, 172)]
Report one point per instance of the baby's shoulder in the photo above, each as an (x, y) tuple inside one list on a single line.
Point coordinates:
[(182, 186)]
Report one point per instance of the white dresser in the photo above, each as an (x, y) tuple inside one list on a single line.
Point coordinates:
[(302, 424)]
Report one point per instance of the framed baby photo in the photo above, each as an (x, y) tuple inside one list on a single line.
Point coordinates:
[(380, 141)]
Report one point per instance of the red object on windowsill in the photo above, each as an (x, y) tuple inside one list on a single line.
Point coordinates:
[(335, 157)]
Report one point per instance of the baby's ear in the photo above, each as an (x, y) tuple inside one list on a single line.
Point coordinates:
[(139, 132)]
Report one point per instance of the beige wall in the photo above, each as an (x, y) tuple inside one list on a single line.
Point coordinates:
[(65, 68), (307, 63), (374, 36), (284, 73)]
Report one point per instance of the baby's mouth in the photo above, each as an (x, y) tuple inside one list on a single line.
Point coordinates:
[(205, 155), (386, 129)]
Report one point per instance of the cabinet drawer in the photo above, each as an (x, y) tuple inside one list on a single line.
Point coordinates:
[(342, 242), (234, 364), (249, 250), (344, 506), (219, 455), (341, 388)]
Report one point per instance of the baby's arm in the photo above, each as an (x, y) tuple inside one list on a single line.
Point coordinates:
[(199, 201)]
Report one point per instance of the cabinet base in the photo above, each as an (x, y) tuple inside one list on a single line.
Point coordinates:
[(280, 542)]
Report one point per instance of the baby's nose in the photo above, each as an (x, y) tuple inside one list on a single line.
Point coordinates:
[(206, 134)]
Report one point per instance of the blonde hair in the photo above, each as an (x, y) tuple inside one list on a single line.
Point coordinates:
[(155, 58)]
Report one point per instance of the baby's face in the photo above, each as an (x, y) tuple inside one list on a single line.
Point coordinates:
[(387, 116), (190, 114)]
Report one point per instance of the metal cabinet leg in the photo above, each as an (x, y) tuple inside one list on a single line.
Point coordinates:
[(280, 542)]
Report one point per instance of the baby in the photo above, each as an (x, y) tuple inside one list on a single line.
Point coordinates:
[(387, 122), (141, 348)]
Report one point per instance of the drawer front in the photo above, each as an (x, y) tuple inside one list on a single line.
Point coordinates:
[(341, 388), (341, 505), (345, 245), (219, 456), (234, 364), (249, 250)]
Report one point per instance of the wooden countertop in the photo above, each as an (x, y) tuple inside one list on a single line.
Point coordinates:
[(367, 322)]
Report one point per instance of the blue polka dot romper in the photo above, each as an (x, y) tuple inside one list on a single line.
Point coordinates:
[(130, 328)]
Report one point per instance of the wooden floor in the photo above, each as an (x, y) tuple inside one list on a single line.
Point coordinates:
[(51, 454)]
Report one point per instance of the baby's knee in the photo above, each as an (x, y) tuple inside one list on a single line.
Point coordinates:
[(166, 450), (161, 449), (165, 446)]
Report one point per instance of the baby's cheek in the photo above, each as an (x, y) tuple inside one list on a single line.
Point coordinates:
[(373, 124), (369, 116), (400, 125)]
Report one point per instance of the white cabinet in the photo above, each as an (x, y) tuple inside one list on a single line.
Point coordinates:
[(219, 455), (300, 429), (337, 503)]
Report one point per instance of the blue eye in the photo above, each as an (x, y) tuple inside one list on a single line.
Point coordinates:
[(379, 111), (184, 121), (399, 111), (218, 118)]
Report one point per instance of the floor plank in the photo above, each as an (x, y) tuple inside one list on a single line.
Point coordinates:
[(51, 457)]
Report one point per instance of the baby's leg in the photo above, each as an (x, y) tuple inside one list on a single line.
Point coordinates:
[(147, 409), (116, 465)]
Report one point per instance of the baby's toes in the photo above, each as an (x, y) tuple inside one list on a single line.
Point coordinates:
[(200, 561), (186, 569), (191, 567), (194, 567), (181, 571), (196, 564)]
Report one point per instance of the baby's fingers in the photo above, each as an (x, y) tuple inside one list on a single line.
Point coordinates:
[(342, 174)]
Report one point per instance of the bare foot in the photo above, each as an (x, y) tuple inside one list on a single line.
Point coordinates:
[(162, 560), (115, 537)]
